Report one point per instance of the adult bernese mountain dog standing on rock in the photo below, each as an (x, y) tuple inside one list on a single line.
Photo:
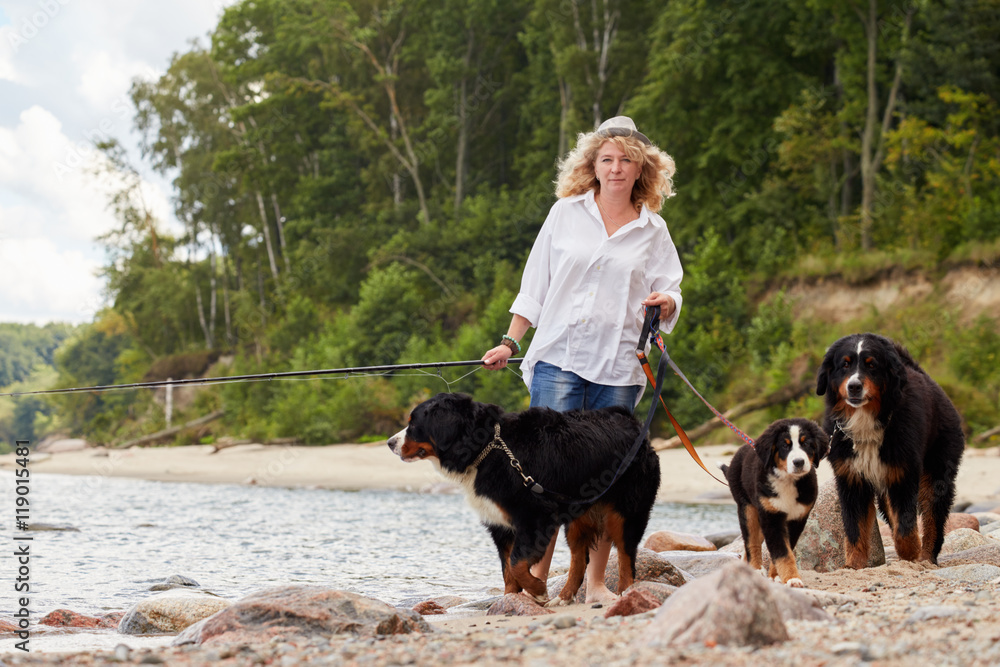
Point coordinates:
[(896, 439)]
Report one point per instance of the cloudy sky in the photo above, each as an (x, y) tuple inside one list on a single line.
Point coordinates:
[(65, 71)]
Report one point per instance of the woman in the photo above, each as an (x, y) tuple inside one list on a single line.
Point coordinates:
[(602, 254)]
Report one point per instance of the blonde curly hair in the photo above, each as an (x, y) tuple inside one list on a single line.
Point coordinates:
[(577, 175)]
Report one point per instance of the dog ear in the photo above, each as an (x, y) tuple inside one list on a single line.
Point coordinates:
[(764, 447), (823, 376), (896, 377), (822, 441)]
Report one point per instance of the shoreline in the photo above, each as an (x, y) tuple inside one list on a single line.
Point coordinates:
[(353, 467)]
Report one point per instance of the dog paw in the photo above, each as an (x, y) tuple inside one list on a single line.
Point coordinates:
[(795, 582), (540, 599), (557, 602)]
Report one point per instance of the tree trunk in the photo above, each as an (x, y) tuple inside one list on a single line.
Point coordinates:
[(265, 225), (281, 233), (462, 149), (565, 99), (868, 135), (872, 154)]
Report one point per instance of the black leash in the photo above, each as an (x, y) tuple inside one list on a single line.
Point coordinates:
[(260, 376), (652, 314)]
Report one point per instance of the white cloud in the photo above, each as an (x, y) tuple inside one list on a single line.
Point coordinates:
[(57, 176), (43, 283), (105, 79), (47, 237), (8, 39), (66, 67)]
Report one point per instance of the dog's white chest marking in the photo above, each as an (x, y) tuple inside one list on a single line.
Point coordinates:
[(489, 512), (867, 433), (787, 500)]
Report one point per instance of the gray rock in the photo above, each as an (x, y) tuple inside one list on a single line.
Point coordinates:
[(821, 546), (929, 613), (170, 612), (982, 507), (300, 611), (722, 538), (564, 621), (963, 539), (796, 605), (972, 573), (175, 581), (699, 564), (732, 607), (986, 518), (991, 530), (827, 598), (988, 554)]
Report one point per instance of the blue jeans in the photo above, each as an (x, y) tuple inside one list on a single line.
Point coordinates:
[(552, 387)]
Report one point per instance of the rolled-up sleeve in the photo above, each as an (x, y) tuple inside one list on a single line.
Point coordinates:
[(668, 274), (536, 277)]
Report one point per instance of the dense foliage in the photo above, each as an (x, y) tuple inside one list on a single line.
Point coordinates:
[(360, 182)]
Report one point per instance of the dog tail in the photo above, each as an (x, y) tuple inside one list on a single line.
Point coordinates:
[(723, 467)]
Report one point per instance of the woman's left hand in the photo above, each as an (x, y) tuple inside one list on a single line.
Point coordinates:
[(664, 301)]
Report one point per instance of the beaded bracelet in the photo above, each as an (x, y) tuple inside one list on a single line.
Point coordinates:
[(511, 343)]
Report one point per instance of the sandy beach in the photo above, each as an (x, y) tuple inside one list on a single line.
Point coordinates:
[(373, 466), (896, 614)]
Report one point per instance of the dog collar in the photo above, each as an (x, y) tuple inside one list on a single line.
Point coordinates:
[(493, 445), (498, 443)]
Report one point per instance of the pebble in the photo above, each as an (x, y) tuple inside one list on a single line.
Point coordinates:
[(564, 621), (928, 613)]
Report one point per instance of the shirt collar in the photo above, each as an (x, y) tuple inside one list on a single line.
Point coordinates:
[(591, 205)]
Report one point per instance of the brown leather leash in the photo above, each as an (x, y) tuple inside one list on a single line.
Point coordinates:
[(649, 332)]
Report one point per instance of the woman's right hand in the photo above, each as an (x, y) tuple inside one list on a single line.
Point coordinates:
[(496, 358)]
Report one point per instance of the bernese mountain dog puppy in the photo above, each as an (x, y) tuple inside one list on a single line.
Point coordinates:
[(774, 486), (896, 440), (496, 457)]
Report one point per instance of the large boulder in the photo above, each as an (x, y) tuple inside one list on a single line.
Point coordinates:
[(288, 611), (821, 545), (170, 612), (649, 566), (733, 607), (668, 540)]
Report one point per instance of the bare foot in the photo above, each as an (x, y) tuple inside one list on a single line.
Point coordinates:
[(600, 594)]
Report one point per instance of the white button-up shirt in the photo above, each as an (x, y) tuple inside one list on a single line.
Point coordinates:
[(583, 290)]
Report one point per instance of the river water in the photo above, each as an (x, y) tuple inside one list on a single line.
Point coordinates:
[(232, 539)]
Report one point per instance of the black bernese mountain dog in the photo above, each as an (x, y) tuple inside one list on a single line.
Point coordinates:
[(573, 455), (774, 486), (896, 439)]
